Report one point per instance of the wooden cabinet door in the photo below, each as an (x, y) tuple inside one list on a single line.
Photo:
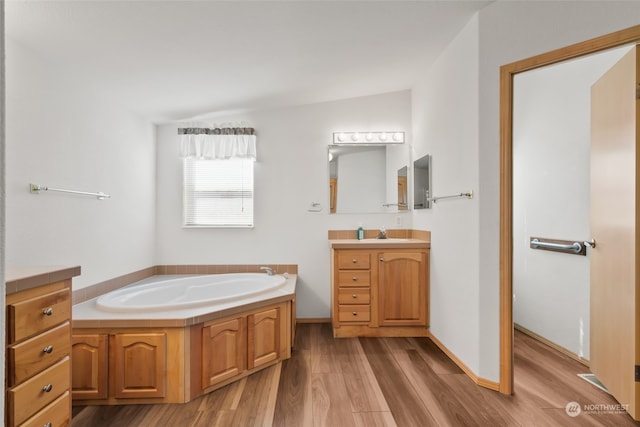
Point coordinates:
[(223, 351), (89, 367), (139, 363), (402, 288), (263, 337)]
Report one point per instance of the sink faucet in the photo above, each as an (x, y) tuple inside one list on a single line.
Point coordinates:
[(268, 270)]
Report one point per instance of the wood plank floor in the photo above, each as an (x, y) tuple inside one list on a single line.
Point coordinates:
[(372, 382)]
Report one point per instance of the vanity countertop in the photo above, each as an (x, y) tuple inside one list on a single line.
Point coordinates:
[(391, 243), (27, 277)]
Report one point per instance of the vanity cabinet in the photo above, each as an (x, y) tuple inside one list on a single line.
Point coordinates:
[(139, 362), (38, 347), (380, 291)]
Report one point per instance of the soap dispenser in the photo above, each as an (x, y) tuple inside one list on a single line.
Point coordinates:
[(360, 232)]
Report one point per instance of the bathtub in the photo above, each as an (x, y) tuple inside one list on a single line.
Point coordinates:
[(187, 292), (184, 297), (177, 321)]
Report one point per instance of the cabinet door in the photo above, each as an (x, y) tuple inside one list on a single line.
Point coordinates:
[(263, 337), (89, 367), (223, 351), (139, 363), (402, 288)]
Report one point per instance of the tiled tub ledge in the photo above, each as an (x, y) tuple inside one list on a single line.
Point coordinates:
[(178, 355)]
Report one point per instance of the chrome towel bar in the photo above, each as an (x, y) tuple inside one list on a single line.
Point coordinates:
[(566, 246), (36, 189), (468, 195), (574, 247)]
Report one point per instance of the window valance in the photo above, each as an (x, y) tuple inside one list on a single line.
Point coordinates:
[(217, 143)]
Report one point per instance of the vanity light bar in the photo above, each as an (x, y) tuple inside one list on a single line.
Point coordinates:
[(368, 137)]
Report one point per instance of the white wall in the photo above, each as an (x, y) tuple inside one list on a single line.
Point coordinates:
[(2, 202), (290, 173), (63, 136), (445, 125), (551, 151)]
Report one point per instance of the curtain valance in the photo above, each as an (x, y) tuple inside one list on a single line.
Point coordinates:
[(217, 143)]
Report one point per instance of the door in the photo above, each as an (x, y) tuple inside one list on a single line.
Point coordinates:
[(402, 289), (615, 347)]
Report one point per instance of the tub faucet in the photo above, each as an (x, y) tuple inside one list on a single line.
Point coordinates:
[(268, 270)]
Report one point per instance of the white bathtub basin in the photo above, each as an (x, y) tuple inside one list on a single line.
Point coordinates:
[(187, 292)]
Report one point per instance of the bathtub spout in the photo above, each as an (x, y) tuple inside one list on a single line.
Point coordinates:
[(268, 270)]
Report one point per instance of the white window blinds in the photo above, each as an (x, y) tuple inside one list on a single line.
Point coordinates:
[(218, 193)]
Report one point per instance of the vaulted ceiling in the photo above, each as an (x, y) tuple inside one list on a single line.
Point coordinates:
[(171, 60)]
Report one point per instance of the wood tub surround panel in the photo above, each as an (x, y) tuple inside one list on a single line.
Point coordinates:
[(38, 331), (176, 365), (380, 288)]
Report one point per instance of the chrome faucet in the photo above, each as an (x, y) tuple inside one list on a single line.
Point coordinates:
[(268, 270)]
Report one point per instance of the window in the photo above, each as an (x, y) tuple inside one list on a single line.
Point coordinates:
[(218, 193)]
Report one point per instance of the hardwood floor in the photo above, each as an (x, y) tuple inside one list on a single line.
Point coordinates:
[(372, 382)]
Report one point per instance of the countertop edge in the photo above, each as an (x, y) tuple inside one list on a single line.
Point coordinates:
[(380, 243), (22, 278)]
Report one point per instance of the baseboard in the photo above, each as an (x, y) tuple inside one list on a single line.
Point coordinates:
[(482, 382), (313, 320), (551, 344)]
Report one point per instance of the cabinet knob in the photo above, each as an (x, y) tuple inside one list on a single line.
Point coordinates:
[(382, 259), (355, 261), (48, 349), (48, 424), (355, 279), (355, 313), (47, 388), (354, 296), (47, 311)]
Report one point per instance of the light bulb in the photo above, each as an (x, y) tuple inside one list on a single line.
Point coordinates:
[(397, 136), (341, 137), (354, 136), (383, 136), (369, 137)]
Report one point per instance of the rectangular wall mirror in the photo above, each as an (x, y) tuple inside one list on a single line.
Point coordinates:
[(368, 178), (422, 191)]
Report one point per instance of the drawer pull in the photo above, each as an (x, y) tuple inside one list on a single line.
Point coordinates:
[(381, 259), (354, 278), (47, 311), (48, 424), (355, 313), (48, 349), (354, 296), (47, 388), (355, 261)]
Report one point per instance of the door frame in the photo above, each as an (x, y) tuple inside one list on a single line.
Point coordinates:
[(507, 73)]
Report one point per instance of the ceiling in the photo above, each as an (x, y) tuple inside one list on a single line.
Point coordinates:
[(173, 60)]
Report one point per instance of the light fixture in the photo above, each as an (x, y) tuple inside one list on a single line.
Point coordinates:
[(368, 137)]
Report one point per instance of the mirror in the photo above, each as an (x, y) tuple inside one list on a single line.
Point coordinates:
[(368, 178), (403, 201), (422, 182)]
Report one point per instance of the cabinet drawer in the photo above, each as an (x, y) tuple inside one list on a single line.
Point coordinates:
[(354, 260), (30, 396), (35, 354), (355, 278), (34, 315), (353, 313), (354, 296), (55, 414)]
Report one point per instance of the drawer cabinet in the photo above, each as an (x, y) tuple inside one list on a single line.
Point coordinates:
[(380, 292), (38, 356)]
